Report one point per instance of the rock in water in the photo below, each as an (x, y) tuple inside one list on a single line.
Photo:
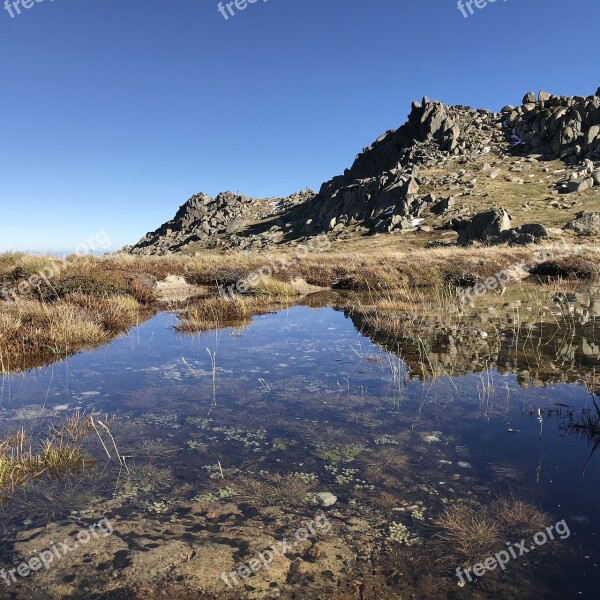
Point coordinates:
[(326, 499)]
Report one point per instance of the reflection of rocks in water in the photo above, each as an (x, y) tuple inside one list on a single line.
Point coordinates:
[(542, 341)]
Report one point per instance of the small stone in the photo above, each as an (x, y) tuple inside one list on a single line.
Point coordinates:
[(326, 499)]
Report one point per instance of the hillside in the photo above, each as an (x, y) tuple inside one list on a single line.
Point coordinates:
[(449, 174)]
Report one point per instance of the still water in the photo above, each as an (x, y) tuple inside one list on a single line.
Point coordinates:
[(220, 431)]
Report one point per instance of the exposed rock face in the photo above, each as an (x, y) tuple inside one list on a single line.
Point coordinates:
[(381, 188), (203, 217), (557, 126), (484, 227), (585, 223)]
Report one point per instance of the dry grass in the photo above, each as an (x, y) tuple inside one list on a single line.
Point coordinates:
[(54, 456), (275, 290), (212, 313), (30, 328), (470, 533), (84, 301)]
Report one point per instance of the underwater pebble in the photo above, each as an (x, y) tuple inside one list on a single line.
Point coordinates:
[(326, 498), (463, 464)]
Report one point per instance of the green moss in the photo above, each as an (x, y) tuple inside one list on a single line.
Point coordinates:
[(338, 454)]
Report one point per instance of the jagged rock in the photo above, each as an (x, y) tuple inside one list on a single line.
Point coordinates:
[(557, 126), (380, 191), (585, 223), (532, 233), (484, 227), (202, 218), (443, 205), (580, 185), (383, 181), (543, 96)]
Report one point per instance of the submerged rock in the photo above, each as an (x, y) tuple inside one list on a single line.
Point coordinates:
[(325, 498)]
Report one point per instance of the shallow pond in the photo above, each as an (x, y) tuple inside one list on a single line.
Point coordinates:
[(219, 431)]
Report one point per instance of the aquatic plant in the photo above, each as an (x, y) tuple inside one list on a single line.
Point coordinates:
[(273, 490), (339, 453), (21, 461), (398, 532), (468, 532)]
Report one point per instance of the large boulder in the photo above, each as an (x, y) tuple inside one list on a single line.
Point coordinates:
[(532, 233), (585, 223), (580, 184), (484, 227)]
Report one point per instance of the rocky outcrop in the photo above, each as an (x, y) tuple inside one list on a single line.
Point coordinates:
[(392, 184), (202, 218), (583, 178), (381, 189), (493, 227), (557, 126), (585, 223), (484, 227)]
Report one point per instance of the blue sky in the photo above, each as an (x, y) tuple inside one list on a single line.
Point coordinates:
[(114, 112)]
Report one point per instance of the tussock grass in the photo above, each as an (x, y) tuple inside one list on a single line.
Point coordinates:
[(219, 312), (30, 328), (235, 311), (471, 533), (55, 456), (275, 289)]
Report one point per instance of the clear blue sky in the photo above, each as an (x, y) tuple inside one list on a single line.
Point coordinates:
[(114, 112)]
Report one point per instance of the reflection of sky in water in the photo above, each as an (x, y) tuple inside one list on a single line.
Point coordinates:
[(312, 365)]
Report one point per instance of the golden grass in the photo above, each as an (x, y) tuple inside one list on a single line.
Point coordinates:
[(275, 289), (30, 328), (84, 301), (54, 456), (221, 311)]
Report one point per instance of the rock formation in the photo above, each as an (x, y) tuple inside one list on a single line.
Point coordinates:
[(387, 189)]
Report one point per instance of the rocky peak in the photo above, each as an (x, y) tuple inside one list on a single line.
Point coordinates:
[(393, 184)]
